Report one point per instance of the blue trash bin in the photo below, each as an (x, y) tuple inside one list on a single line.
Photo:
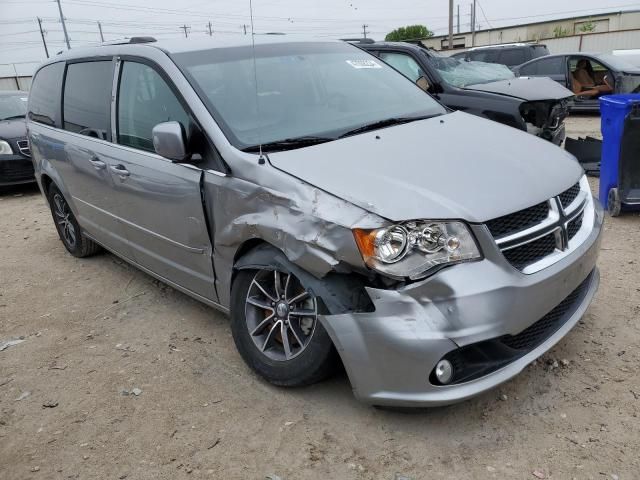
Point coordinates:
[(618, 113)]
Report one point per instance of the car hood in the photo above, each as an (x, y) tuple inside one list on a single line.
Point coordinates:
[(10, 129), (526, 88), (452, 166)]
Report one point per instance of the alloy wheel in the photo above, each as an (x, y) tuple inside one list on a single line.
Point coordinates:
[(63, 219), (281, 315)]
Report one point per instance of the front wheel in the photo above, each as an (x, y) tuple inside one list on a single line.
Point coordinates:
[(275, 326)]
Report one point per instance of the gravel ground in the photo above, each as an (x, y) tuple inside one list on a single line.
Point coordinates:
[(119, 376)]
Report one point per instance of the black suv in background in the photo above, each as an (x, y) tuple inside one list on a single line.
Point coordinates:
[(509, 55), (15, 158), (535, 105)]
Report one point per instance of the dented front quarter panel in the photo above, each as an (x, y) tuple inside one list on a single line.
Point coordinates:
[(260, 203)]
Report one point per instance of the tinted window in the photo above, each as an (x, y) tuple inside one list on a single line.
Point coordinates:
[(87, 97), (489, 56), (528, 69), (44, 97), (145, 100), (404, 64), (540, 51), (550, 66), (514, 56)]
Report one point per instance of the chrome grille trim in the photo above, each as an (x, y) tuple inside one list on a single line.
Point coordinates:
[(557, 224), (23, 146)]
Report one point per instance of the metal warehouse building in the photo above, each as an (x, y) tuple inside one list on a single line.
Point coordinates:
[(603, 32)]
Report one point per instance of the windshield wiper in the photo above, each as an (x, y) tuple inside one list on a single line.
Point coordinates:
[(288, 144), (388, 122), (13, 117)]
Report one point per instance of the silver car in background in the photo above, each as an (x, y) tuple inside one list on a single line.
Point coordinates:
[(334, 209)]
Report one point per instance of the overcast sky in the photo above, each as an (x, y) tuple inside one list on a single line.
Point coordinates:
[(20, 38)]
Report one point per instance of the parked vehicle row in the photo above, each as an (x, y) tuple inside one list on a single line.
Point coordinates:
[(324, 201), (589, 76), (16, 166), (538, 106)]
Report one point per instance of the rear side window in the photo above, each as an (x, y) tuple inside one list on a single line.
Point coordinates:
[(145, 100), (512, 57), (489, 56), (44, 97), (540, 51), (550, 66), (529, 69), (87, 97)]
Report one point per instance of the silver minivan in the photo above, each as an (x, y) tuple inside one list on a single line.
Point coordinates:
[(331, 207)]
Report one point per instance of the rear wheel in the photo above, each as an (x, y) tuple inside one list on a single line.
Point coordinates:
[(68, 228), (614, 205), (274, 321)]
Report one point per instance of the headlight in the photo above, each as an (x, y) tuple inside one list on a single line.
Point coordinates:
[(411, 249), (5, 148)]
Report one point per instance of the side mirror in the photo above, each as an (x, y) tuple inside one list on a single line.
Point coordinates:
[(423, 83), (169, 141)]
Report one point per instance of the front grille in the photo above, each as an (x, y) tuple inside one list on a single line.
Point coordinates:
[(568, 196), (23, 145), (574, 226), (531, 252), (539, 231), (518, 221), (16, 170), (479, 359)]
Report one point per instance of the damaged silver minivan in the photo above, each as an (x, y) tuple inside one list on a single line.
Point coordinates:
[(322, 199)]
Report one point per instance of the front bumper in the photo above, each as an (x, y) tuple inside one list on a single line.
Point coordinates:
[(390, 353), (15, 170)]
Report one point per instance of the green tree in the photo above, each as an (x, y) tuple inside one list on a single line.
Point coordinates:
[(410, 32)]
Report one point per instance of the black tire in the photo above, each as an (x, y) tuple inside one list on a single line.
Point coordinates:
[(614, 205), (315, 362), (68, 228)]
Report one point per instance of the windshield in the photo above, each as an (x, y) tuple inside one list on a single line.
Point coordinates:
[(12, 106), (304, 90), (460, 73)]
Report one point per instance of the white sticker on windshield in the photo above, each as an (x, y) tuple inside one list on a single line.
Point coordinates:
[(364, 64)]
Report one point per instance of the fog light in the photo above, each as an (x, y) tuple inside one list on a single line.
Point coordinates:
[(444, 371)]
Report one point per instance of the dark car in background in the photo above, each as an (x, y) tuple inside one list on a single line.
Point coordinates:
[(538, 106), (15, 157), (510, 55), (588, 75)]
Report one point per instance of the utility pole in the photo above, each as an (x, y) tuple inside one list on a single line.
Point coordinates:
[(458, 20), (210, 29), (100, 29), (186, 30), (245, 28), (364, 30), (473, 24), (450, 24), (64, 25), (42, 35)]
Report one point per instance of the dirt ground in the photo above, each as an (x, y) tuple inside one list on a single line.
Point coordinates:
[(94, 328)]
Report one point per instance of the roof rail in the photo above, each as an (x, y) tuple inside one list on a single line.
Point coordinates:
[(358, 40), (126, 41)]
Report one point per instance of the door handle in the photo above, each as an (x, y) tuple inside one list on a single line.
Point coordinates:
[(119, 170), (97, 163)]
